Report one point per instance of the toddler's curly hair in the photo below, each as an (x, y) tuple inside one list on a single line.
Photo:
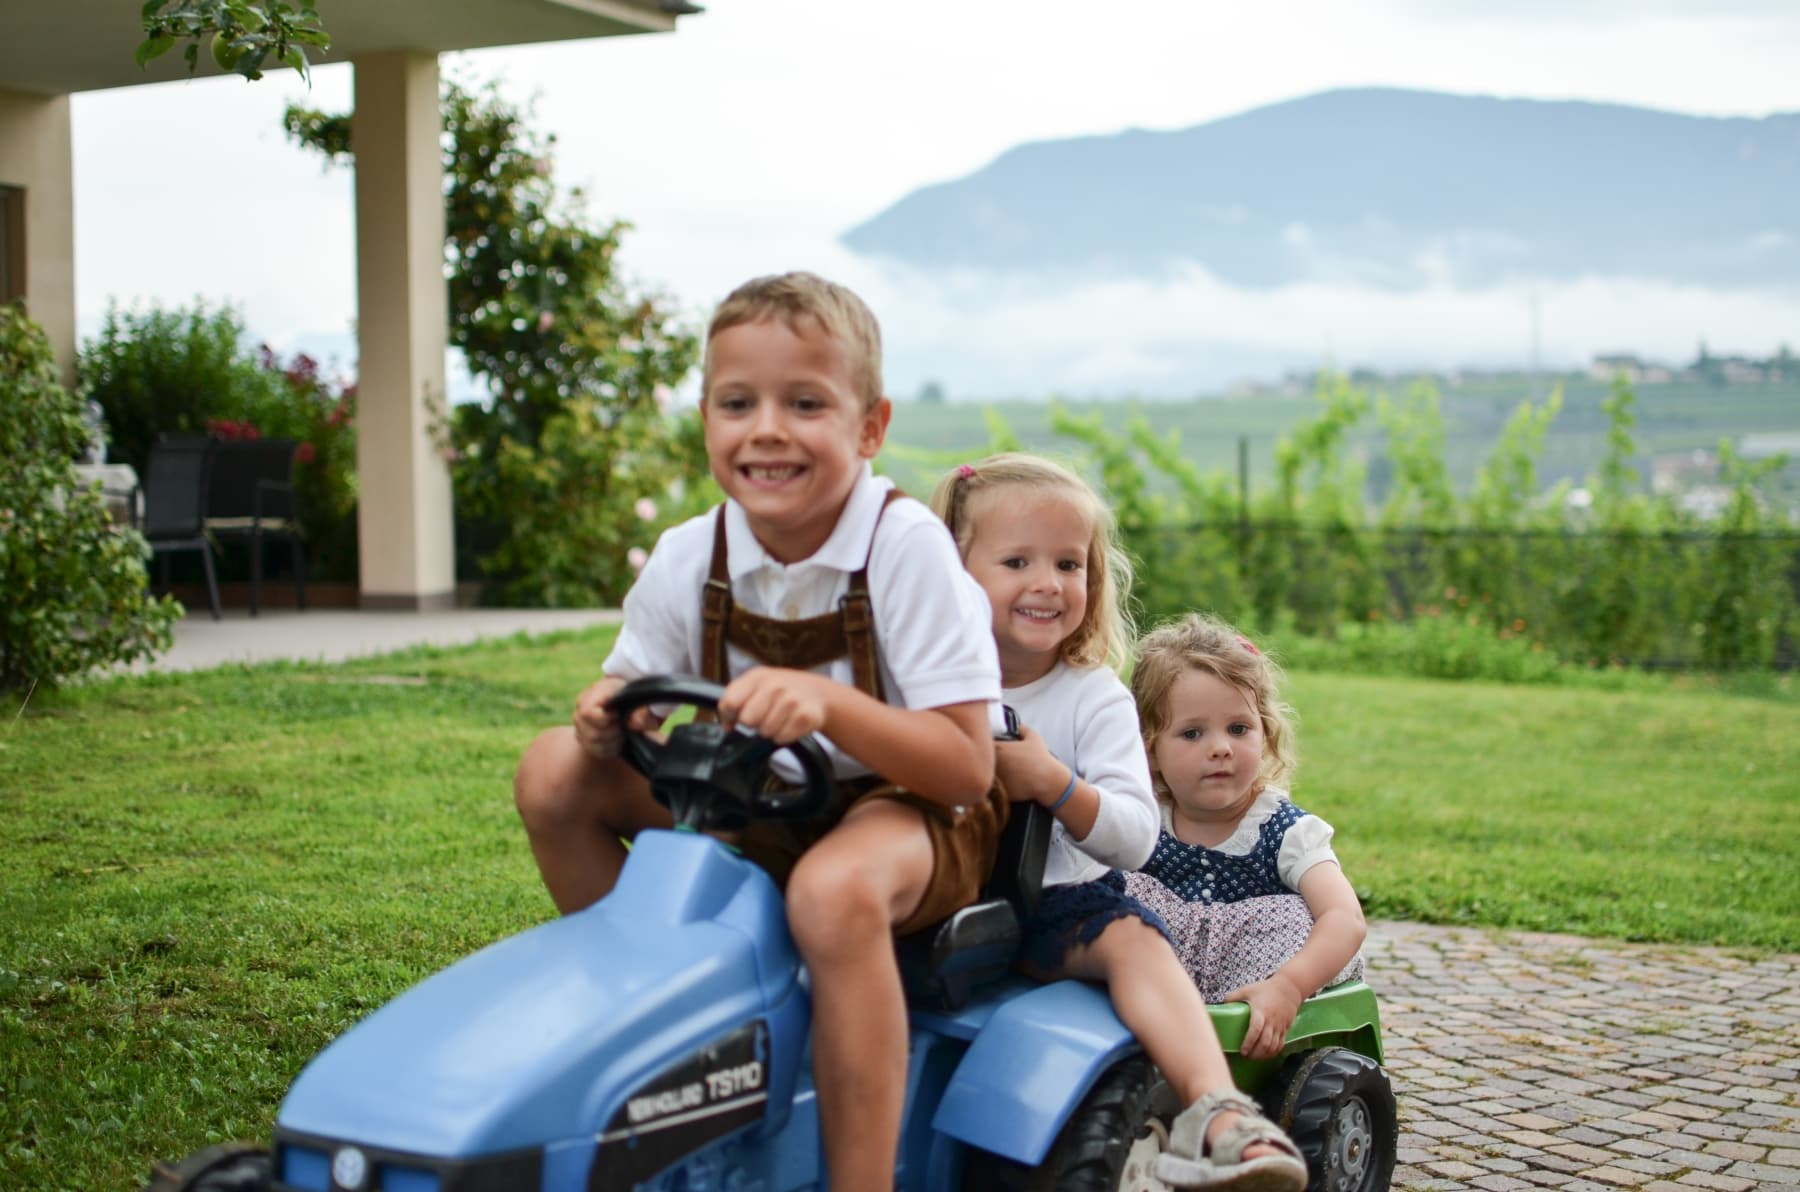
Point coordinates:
[(1203, 642)]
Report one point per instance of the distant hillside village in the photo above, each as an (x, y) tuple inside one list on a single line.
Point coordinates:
[(1690, 475), (1782, 368), (1707, 368)]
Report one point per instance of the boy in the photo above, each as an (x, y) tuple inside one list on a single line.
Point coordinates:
[(808, 543)]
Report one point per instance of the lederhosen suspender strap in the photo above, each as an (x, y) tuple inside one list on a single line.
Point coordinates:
[(803, 644)]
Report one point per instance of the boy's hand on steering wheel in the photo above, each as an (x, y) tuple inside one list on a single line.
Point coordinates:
[(596, 728), (778, 702)]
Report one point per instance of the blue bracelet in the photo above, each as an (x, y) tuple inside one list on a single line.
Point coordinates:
[(1067, 791)]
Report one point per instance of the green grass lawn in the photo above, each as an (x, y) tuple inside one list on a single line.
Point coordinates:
[(206, 878)]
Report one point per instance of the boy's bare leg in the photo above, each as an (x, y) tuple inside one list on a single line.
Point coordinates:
[(576, 807), (844, 898)]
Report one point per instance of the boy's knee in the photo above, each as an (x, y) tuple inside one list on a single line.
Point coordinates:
[(546, 786), (835, 905)]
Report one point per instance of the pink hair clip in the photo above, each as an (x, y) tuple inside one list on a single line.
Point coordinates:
[(965, 470), (1245, 642)]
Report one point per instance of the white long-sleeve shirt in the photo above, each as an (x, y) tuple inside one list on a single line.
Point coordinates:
[(1088, 720)]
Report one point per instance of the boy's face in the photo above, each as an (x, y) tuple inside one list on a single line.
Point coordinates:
[(786, 432)]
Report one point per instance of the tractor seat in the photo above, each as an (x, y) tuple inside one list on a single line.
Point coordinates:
[(941, 966)]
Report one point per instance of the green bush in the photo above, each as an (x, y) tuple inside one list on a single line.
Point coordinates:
[(75, 592), (566, 469), (155, 371), (1437, 644), (320, 414), (1499, 581), (577, 511)]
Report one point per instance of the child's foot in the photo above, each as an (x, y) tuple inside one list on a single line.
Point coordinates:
[(1222, 1141)]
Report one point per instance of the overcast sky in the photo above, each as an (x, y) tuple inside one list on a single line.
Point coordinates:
[(749, 139)]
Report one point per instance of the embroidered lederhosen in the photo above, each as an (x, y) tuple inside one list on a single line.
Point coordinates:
[(962, 839)]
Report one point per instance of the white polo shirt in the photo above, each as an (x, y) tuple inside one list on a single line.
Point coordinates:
[(933, 626)]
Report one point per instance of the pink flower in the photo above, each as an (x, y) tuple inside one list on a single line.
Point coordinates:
[(304, 453), (637, 557), (546, 320), (646, 509)]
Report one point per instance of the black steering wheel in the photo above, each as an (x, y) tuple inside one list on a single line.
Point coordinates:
[(712, 777)]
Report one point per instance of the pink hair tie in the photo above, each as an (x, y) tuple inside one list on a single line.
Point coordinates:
[(1245, 642), (965, 470)]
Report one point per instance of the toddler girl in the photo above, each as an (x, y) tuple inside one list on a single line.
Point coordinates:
[(1038, 540), (1234, 849)]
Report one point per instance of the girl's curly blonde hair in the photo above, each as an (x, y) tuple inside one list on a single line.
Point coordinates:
[(1104, 636), (1203, 642)]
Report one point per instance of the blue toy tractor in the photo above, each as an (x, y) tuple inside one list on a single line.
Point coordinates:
[(659, 1039)]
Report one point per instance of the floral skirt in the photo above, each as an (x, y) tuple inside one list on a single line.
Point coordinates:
[(1228, 945), (1070, 916)]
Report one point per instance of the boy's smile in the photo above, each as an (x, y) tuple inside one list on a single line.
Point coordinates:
[(786, 431)]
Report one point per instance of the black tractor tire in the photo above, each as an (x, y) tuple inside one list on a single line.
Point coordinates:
[(227, 1167), (1338, 1107), (1093, 1153)]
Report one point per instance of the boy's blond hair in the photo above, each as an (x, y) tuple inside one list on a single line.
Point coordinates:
[(1104, 636), (795, 298), (1203, 642)]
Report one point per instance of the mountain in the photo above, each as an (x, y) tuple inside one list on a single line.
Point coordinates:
[(1385, 188)]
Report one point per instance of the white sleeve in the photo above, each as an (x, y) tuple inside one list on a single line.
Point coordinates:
[(1304, 845), (654, 637), (934, 621), (1110, 752)]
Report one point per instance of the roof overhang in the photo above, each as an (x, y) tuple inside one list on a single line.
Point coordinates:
[(86, 45)]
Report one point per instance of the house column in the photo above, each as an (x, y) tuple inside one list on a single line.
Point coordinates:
[(406, 555), (37, 216)]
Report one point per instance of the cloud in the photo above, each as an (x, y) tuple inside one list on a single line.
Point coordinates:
[(747, 141), (992, 336), (1613, 13)]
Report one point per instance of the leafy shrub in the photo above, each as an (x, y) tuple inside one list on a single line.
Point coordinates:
[(555, 470), (320, 414), (1437, 644), (584, 504), (154, 371), (74, 582), (1627, 579)]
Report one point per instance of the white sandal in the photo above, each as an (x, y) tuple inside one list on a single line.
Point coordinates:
[(1190, 1162)]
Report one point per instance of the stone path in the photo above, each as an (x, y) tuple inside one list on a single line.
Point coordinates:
[(1527, 1061)]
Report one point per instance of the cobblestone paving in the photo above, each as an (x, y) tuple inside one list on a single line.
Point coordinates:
[(1525, 1061)]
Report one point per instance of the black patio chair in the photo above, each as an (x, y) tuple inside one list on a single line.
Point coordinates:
[(174, 489), (251, 500)]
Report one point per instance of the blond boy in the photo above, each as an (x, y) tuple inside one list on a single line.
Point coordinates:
[(793, 412)]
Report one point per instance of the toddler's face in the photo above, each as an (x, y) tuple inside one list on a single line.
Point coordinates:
[(1029, 553), (1211, 750), (786, 431)]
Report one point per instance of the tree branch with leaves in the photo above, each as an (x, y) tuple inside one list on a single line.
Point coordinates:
[(245, 34), (565, 474)]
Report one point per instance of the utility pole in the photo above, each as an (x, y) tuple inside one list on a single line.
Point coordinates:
[(1537, 394), (1243, 446)]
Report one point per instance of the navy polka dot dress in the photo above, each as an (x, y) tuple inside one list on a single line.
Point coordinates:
[(1196, 873)]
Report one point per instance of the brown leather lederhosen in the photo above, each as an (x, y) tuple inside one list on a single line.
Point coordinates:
[(963, 839)]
